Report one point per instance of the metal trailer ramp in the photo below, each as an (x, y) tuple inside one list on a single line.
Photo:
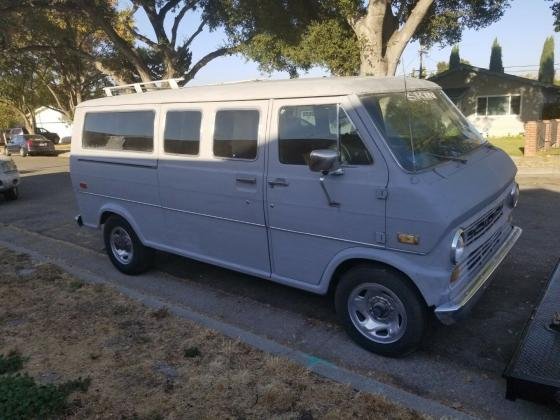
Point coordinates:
[(534, 371)]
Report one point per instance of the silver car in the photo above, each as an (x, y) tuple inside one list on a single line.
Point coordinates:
[(9, 178)]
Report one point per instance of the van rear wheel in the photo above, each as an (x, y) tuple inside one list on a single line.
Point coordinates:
[(124, 248), (380, 310)]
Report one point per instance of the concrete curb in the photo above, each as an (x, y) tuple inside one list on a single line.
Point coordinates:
[(315, 364)]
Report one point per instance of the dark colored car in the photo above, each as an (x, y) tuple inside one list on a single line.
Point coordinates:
[(29, 144), (55, 138)]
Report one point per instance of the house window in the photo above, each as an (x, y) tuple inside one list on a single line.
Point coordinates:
[(498, 105)]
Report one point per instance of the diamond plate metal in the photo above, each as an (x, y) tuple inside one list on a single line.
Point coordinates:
[(537, 358)]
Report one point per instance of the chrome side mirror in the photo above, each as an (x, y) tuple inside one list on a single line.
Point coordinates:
[(324, 160)]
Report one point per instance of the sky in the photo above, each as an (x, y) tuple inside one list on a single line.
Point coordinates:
[(521, 32)]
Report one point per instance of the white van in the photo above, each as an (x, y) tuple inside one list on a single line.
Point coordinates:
[(375, 190)]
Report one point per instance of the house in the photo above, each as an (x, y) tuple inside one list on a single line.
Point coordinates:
[(498, 104), (53, 120)]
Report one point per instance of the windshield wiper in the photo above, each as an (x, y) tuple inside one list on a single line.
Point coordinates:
[(447, 157)]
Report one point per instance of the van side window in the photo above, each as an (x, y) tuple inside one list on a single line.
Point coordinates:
[(182, 132), (352, 149), (121, 131), (302, 129), (236, 133)]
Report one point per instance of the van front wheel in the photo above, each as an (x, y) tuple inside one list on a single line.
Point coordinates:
[(124, 248), (380, 310)]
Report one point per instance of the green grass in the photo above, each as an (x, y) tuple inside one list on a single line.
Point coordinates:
[(21, 397), (11, 363), (512, 145)]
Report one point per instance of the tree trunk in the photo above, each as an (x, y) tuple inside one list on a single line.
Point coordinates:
[(372, 63), (381, 40)]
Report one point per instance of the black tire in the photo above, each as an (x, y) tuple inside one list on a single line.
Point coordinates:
[(142, 256), (414, 326), (23, 152), (12, 194)]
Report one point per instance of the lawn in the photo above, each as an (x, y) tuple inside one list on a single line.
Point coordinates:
[(74, 350), (512, 145)]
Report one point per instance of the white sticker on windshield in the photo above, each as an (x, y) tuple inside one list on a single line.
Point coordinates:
[(421, 96)]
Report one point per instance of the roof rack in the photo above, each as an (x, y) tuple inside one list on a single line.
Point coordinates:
[(143, 87)]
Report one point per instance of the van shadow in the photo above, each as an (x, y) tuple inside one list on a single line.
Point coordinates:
[(485, 340)]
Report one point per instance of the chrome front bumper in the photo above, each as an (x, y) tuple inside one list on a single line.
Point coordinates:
[(450, 312)]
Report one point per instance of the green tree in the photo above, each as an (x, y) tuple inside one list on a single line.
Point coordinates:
[(65, 50), (442, 66), (454, 58), (546, 69), (496, 64), (372, 37), (21, 89), (9, 117)]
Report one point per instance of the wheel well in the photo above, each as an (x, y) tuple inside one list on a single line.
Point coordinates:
[(106, 215), (351, 263)]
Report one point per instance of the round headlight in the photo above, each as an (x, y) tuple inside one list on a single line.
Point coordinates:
[(457, 247), (513, 197)]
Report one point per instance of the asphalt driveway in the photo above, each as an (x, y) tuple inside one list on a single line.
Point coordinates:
[(459, 365)]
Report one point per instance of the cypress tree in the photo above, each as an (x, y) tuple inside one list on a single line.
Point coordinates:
[(496, 58), (454, 58), (546, 69)]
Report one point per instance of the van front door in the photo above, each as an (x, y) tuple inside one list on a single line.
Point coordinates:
[(309, 224)]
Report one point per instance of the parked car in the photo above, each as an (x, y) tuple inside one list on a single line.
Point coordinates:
[(375, 189), (55, 138), (29, 144), (16, 131), (9, 178)]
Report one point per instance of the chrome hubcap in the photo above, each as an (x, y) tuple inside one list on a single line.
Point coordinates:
[(377, 313), (121, 245)]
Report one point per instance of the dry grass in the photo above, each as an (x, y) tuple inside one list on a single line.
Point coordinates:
[(149, 364)]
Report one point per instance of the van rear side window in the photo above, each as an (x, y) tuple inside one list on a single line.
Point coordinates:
[(120, 131), (182, 132), (236, 134)]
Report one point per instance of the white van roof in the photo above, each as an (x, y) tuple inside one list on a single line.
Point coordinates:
[(269, 89)]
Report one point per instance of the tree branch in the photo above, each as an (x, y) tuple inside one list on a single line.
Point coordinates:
[(177, 21), (400, 38), (195, 34), (206, 59)]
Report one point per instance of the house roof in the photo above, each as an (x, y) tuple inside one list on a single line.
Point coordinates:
[(469, 68), (269, 89)]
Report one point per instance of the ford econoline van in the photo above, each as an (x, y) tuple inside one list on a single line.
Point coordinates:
[(375, 189)]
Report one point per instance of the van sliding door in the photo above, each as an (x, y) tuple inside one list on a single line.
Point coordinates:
[(211, 175)]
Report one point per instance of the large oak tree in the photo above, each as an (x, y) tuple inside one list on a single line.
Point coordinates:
[(354, 36)]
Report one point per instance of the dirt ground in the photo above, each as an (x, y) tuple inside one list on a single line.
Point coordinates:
[(149, 364)]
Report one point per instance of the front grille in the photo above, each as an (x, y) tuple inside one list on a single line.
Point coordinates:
[(483, 224), (479, 256)]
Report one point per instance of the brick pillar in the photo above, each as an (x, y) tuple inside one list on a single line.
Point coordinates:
[(556, 140), (547, 127), (531, 138)]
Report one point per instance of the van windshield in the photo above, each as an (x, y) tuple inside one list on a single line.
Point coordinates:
[(439, 132)]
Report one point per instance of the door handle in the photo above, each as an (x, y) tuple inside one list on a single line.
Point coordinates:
[(246, 180), (278, 182)]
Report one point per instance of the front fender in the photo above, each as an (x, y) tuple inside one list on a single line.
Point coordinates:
[(422, 270)]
